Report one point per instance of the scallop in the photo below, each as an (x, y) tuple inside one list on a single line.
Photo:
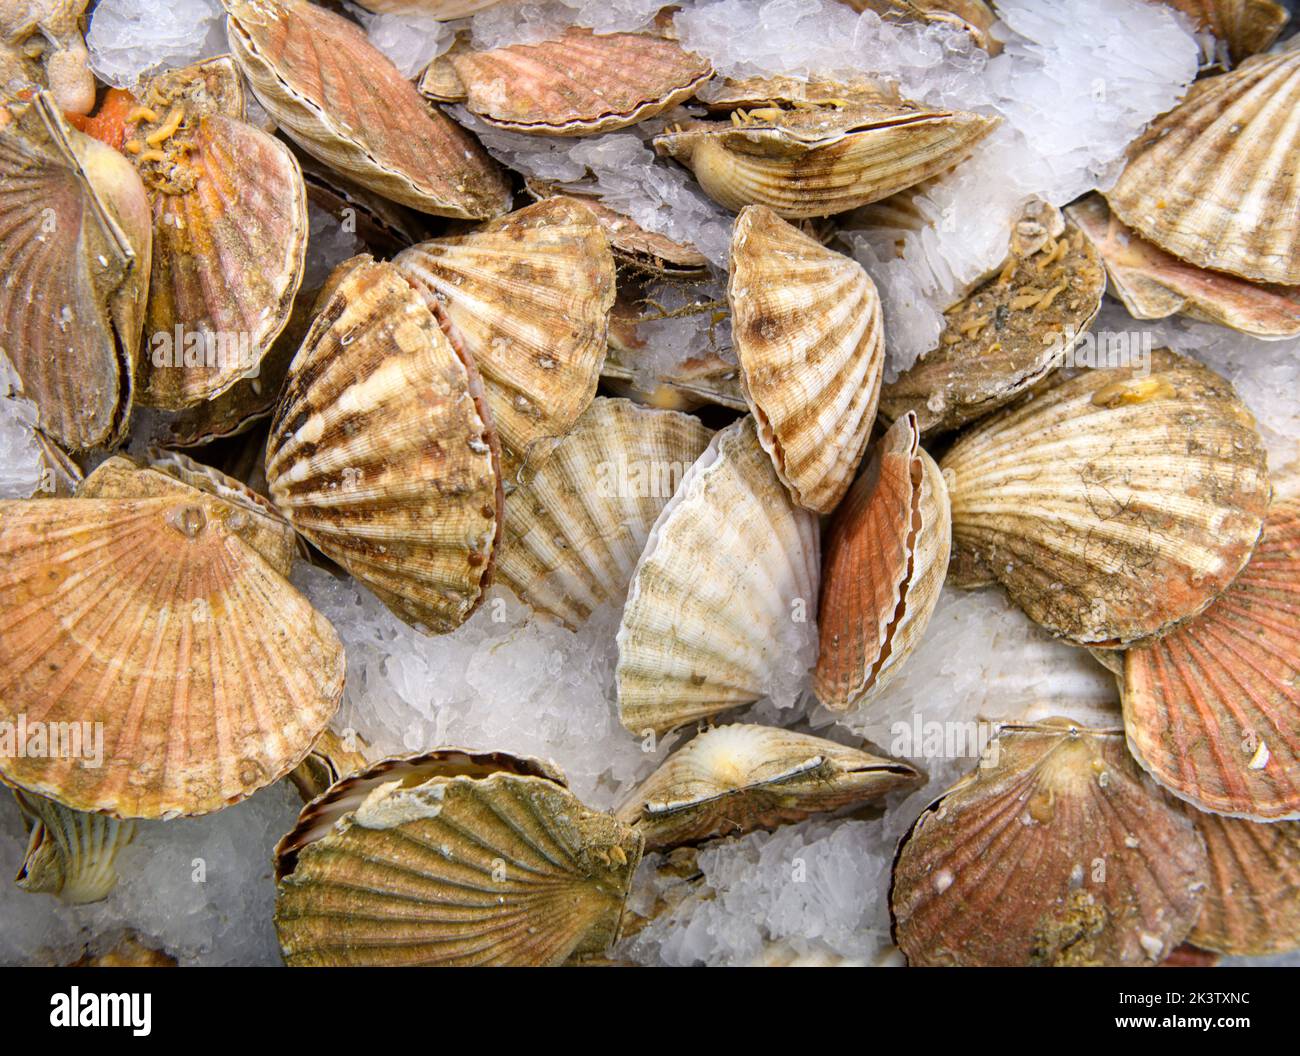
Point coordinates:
[(70, 854), (1252, 903)]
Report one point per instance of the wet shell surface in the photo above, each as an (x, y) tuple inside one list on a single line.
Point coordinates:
[(1213, 708), (1252, 903), (576, 528), (73, 211), (722, 597), (1115, 503), (734, 779), (157, 618), (1213, 181), (810, 338), (886, 558), (344, 102), (527, 297), (1057, 850), (70, 854), (822, 159), (1154, 284), (452, 858), (577, 84), (382, 453)]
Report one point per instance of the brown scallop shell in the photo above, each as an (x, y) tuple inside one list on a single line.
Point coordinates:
[(1252, 903), (1241, 28), (69, 853), (1057, 850)]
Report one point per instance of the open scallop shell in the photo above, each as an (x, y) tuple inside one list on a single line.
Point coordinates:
[(344, 102), (822, 157), (810, 338), (69, 853), (1057, 850), (1241, 28), (1209, 181), (575, 529), (158, 619), (1113, 504), (576, 84), (886, 557), (75, 249), (452, 858), (1212, 709), (331, 759), (528, 298), (1154, 284), (382, 451), (734, 779), (723, 593), (1252, 903)]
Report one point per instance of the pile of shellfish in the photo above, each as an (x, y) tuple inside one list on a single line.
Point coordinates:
[(440, 413)]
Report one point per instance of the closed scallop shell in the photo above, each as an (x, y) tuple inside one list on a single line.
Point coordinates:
[(810, 338), (69, 853), (344, 102), (1252, 903), (1213, 708), (1057, 850), (452, 858), (722, 598), (76, 249), (577, 84), (155, 617), (1154, 284), (527, 297), (382, 453), (575, 529), (734, 779), (1114, 504), (886, 558), (1241, 28), (1210, 181)]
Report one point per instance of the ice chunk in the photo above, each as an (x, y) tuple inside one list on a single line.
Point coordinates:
[(527, 23), (329, 244), (20, 455), (130, 38), (412, 40)]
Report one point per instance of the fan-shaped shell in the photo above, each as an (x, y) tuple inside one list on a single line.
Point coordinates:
[(74, 245), (452, 858), (154, 623), (528, 298), (1241, 27), (721, 598), (70, 854), (575, 529), (1115, 503), (382, 451), (331, 759), (1212, 182), (1252, 903), (344, 102), (1154, 284), (886, 557), (734, 779), (577, 84), (1057, 851), (1213, 708), (810, 338)]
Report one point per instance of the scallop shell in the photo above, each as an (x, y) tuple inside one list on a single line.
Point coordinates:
[(973, 17), (451, 858), (331, 759), (528, 298), (575, 529), (722, 597), (1210, 181), (1252, 904), (810, 337), (576, 84), (1241, 27), (734, 779), (382, 452), (822, 159), (73, 212), (344, 102), (1007, 334), (886, 557), (1154, 284), (1057, 850), (127, 951), (1213, 709), (50, 32), (208, 675), (1115, 503), (70, 854)]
